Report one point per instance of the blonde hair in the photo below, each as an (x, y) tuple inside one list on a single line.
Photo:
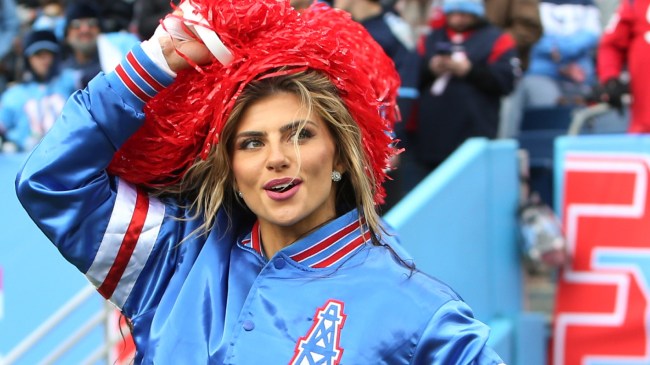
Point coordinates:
[(208, 184)]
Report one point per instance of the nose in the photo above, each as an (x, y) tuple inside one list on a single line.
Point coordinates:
[(278, 158)]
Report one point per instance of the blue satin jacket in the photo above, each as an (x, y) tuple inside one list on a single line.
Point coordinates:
[(329, 298)]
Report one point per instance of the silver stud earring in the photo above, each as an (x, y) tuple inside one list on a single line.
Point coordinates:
[(240, 194), (336, 176)]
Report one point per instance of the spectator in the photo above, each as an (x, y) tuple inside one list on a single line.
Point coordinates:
[(117, 15), (51, 16), (419, 14), (97, 37), (115, 40), (82, 29), (9, 26), (561, 69), (624, 46), (519, 18), (396, 38), (468, 65), (29, 108)]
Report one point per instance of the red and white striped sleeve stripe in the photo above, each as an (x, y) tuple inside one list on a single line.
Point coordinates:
[(137, 78), (127, 243)]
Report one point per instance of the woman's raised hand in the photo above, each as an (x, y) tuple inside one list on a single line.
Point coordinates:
[(180, 42)]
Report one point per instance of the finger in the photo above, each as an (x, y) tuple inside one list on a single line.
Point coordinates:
[(177, 29), (180, 54), (197, 27), (196, 51)]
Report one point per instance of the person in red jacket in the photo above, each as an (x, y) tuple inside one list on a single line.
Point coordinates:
[(625, 45)]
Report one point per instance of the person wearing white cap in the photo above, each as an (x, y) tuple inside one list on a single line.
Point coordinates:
[(28, 109)]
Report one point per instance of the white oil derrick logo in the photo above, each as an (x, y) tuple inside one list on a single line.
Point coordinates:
[(321, 344)]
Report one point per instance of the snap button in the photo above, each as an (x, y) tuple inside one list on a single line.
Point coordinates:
[(248, 325), (279, 263)]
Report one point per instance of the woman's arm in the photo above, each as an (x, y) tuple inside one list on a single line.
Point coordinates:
[(454, 336), (64, 185)]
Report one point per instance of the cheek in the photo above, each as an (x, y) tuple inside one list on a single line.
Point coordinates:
[(240, 171), (323, 162)]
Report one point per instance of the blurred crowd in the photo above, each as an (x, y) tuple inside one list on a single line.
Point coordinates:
[(468, 67), (51, 48)]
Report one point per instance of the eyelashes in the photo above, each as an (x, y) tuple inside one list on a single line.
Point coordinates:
[(249, 143), (295, 135), (304, 133)]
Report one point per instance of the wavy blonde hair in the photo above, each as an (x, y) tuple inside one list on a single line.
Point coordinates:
[(208, 184)]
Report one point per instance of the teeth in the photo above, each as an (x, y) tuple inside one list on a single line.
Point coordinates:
[(281, 187)]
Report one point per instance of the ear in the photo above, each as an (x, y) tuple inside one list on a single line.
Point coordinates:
[(339, 167), (339, 164)]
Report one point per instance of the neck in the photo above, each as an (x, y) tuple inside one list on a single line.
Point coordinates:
[(83, 57), (275, 237)]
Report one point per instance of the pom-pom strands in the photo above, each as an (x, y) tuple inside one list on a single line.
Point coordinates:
[(184, 121)]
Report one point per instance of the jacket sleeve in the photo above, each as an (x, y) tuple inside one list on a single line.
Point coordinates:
[(615, 42), (453, 336), (108, 228)]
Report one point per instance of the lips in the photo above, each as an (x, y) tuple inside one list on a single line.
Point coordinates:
[(282, 184), (281, 189)]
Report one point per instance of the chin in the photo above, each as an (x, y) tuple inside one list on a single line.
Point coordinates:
[(285, 223), (285, 219)]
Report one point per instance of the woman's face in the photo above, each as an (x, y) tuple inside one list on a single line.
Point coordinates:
[(283, 185)]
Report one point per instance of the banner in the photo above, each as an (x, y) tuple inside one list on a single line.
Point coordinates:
[(601, 312)]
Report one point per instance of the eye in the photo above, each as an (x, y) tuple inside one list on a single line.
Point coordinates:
[(249, 143), (301, 134)]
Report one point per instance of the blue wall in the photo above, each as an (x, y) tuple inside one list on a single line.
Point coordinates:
[(37, 281), (459, 224)]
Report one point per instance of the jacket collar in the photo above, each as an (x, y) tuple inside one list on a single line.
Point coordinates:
[(323, 248)]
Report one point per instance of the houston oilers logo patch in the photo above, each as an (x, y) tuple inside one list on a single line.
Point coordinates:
[(321, 344)]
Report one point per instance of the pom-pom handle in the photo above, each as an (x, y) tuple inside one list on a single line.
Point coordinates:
[(208, 36)]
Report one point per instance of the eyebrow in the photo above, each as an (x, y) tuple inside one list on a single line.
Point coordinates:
[(287, 127)]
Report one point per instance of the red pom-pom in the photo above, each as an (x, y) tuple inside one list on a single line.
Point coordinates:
[(184, 121)]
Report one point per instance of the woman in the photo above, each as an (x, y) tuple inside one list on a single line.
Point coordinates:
[(267, 247)]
